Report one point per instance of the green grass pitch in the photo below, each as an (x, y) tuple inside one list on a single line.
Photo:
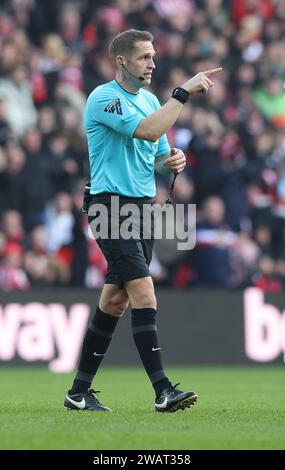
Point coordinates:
[(238, 408)]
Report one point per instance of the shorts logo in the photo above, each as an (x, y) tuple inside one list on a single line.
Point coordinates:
[(114, 107)]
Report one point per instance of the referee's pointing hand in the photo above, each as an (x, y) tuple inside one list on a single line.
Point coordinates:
[(201, 81)]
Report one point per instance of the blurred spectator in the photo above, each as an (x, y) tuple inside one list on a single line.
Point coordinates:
[(211, 257), (12, 178), (37, 190), (243, 8), (267, 277), (52, 55), (47, 123), (62, 166), (244, 258), (17, 93), (270, 99), (12, 227), (37, 263), (12, 275), (5, 130), (59, 224), (70, 25)]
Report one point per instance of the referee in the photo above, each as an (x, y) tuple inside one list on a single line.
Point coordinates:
[(125, 128)]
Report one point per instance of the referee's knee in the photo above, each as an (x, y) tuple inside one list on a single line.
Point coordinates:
[(145, 300), (116, 309), (119, 310), (141, 293)]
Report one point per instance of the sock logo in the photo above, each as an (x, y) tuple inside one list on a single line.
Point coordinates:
[(98, 354), (155, 349)]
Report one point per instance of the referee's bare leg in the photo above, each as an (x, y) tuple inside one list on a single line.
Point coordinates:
[(113, 300)]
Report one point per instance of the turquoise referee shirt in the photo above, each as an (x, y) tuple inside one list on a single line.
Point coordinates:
[(120, 163)]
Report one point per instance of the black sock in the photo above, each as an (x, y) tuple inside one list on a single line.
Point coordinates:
[(95, 344), (146, 339)]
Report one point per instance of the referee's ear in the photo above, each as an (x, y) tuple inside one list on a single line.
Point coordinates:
[(120, 61)]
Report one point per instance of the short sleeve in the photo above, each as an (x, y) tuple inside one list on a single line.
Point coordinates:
[(114, 111), (163, 146)]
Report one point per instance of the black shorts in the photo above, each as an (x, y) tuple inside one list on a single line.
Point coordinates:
[(127, 259)]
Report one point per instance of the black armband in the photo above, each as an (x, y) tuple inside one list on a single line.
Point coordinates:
[(180, 94)]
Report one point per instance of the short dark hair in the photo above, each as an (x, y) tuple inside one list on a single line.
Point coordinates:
[(124, 43)]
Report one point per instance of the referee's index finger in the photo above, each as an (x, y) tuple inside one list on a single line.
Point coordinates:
[(212, 71)]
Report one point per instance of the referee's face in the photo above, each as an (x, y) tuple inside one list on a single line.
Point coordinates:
[(141, 62)]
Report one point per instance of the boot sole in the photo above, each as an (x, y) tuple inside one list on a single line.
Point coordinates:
[(186, 403)]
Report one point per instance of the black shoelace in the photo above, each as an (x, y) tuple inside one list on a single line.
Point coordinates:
[(93, 393), (174, 389)]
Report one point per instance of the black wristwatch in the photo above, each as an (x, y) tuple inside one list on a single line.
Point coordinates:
[(180, 94)]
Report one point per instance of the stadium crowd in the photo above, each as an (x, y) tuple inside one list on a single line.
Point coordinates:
[(53, 54)]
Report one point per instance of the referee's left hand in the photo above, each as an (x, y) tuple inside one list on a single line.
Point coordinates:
[(176, 162)]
